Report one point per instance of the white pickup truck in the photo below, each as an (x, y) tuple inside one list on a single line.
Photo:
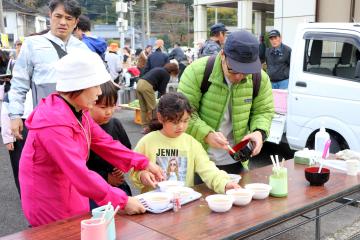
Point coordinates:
[(324, 88)]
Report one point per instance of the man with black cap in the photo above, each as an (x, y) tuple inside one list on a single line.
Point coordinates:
[(278, 61), (237, 103), (213, 45)]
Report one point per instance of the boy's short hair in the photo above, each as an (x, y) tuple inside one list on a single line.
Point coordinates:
[(72, 7), (109, 95), (84, 23)]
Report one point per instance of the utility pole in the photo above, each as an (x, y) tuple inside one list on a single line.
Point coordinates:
[(2, 27), (106, 14), (148, 30), (132, 25), (143, 23), (216, 15), (188, 25), (121, 23)]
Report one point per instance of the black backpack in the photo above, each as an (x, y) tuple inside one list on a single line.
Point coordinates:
[(205, 84)]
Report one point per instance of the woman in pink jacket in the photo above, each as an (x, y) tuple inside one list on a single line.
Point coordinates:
[(55, 182)]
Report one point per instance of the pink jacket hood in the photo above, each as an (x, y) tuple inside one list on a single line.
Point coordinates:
[(40, 117)]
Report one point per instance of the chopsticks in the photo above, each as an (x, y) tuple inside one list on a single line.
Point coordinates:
[(276, 163), (228, 146), (231, 149)]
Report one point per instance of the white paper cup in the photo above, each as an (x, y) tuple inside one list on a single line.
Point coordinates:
[(352, 167), (93, 229)]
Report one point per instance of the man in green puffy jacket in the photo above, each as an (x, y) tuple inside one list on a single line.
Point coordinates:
[(227, 113)]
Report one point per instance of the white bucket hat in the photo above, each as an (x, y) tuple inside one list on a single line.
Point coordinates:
[(79, 70)]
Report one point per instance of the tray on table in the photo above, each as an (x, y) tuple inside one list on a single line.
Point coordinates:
[(192, 197)]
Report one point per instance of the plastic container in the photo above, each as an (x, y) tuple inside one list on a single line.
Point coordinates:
[(280, 100), (305, 156), (94, 229), (321, 138), (97, 213), (279, 182), (176, 201)]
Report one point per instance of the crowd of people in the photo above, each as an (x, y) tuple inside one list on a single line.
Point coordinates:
[(62, 91)]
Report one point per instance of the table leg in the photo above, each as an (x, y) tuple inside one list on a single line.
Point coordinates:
[(317, 224)]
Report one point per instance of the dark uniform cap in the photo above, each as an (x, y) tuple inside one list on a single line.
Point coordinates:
[(242, 52), (218, 27), (274, 33)]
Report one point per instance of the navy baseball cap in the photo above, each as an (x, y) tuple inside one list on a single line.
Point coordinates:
[(242, 52), (218, 27), (274, 33)]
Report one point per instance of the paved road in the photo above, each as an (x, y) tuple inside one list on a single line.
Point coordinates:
[(338, 225)]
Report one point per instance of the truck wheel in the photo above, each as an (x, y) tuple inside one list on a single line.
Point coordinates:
[(338, 143), (335, 145)]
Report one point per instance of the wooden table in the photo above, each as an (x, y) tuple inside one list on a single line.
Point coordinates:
[(196, 221), (69, 229)]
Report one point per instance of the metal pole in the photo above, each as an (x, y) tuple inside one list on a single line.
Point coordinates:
[(317, 225), (143, 23), (216, 15), (132, 26), (148, 33), (188, 26), (106, 14), (2, 27), (122, 32)]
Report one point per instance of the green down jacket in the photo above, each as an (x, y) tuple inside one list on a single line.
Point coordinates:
[(247, 114)]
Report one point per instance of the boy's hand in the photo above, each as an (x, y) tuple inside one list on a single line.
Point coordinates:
[(10, 146), (115, 180), (231, 185), (148, 179), (134, 206), (117, 173), (156, 171)]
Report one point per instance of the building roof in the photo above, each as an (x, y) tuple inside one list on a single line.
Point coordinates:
[(18, 7)]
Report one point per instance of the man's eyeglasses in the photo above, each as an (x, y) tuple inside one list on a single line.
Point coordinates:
[(229, 69)]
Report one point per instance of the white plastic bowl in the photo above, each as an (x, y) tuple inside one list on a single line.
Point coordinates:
[(261, 190), (220, 202), (166, 184), (158, 200), (241, 196), (234, 177), (185, 192)]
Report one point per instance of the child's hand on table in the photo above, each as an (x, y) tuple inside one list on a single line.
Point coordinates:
[(231, 185), (156, 171), (148, 179)]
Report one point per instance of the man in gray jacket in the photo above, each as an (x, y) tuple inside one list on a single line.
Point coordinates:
[(213, 45), (34, 68), (278, 61)]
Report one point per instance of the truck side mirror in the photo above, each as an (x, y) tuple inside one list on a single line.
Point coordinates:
[(357, 70)]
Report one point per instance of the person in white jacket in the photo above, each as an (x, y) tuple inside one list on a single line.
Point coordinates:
[(14, 147)]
